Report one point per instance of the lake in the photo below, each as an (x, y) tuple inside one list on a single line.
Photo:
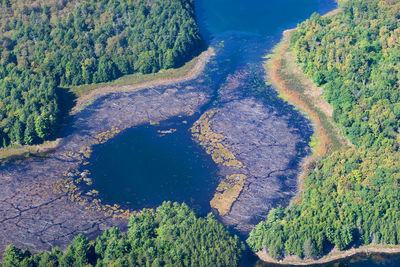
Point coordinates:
[(141, 168), (149, 164)]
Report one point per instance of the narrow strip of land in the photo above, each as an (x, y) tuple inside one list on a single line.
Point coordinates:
[(134, 82), (298, 89), (332, 256)]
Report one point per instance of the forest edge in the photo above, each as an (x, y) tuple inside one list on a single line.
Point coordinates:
[(326, 138)]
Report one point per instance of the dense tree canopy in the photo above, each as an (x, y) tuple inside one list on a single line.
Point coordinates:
[(355, 56), (45, 44), (351, 197), (171, 236)]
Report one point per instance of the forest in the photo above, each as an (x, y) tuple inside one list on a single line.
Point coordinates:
[(170, 236), (352, 196), (48, 45)]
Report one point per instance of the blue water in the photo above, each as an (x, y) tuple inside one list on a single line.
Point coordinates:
[(262, 17), (143, 167)]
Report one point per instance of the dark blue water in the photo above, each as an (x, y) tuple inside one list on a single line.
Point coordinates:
[(140, 168), (261, 17), (145, 166)]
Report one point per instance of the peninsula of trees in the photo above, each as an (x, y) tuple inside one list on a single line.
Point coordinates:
[(46, 45), (170, 236), (352, 196)]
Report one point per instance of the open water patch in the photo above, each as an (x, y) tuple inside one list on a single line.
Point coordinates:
[(149, 164)]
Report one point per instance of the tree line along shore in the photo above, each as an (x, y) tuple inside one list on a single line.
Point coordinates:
[(350, 196)]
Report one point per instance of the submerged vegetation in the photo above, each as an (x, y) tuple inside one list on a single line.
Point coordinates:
[(350, 197), (170, 236), (52, 44)]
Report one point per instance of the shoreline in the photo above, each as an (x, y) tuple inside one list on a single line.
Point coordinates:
[(192, 73), (21, 152), (310, 102), (297, 89), (332, 256), (25, 151)]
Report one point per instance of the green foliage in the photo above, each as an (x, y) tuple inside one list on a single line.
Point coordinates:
[(355, 55), (170, 236), (351, 197), (65, 43)]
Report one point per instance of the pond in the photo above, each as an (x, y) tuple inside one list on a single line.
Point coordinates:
[(147, 165)]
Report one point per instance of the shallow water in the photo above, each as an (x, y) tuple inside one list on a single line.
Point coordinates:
[(369, 261)]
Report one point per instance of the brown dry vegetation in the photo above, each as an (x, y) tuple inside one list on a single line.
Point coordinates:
[(304, 96), (298, 89), (334, 255), (19, 151)]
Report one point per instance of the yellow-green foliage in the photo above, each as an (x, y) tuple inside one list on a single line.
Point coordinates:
[(355, 56), (229, 191), (107, 135)]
